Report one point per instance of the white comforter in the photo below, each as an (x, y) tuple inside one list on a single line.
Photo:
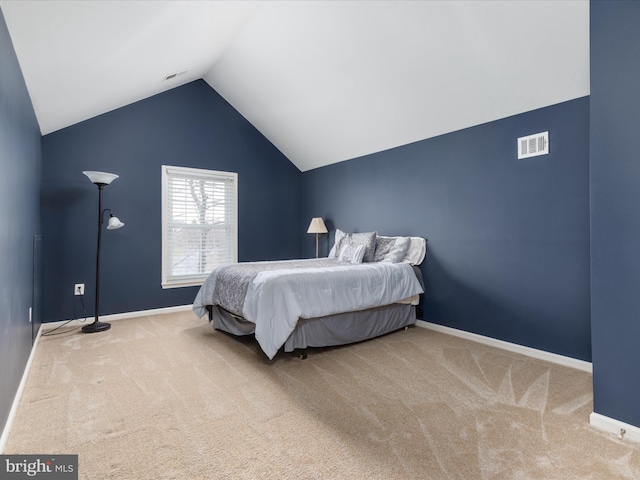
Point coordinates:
[(276, 299)]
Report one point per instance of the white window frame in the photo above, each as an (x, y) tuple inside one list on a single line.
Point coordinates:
[(169, 278)]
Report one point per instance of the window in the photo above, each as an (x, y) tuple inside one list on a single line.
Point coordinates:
[(199, 224)]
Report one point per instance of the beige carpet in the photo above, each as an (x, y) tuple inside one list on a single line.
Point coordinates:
[(166, 396)]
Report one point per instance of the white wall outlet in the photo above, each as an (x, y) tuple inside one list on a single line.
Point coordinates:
[(78, 289), (30, 314)]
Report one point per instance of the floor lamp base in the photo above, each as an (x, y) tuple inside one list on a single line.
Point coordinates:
[(96, 327)]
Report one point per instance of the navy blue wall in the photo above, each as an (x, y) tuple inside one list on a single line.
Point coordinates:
[(615, 201), (188, 126), (508, 239), (19, 194)]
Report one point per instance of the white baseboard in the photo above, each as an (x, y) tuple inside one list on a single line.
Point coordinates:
[(18, 396), (116, 316), (512, 347), (624, 431)]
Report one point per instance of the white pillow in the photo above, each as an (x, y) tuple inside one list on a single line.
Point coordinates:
[(339, 236), (416, 252)]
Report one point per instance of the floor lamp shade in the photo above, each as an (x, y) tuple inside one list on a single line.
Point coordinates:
[(114, 223), (100, 177), (317, 226)]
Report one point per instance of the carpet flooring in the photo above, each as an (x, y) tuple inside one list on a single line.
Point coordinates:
[(167, 397)]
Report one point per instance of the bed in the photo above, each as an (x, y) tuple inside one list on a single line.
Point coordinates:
[(369, 285)]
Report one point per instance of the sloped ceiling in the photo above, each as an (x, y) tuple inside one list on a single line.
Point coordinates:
[(324, 81)]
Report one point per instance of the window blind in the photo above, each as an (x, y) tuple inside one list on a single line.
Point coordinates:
[(199, 223)]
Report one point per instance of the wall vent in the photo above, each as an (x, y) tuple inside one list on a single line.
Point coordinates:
[(533, 145)]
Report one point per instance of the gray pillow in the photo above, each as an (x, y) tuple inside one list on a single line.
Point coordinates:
[(391, 249), (368, 239), (383, 245), (398, 250)]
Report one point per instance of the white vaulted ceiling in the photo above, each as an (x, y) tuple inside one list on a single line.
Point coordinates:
[(324, 81)]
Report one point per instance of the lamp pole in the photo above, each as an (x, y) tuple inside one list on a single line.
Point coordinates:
[(100, 179), (98, 326)]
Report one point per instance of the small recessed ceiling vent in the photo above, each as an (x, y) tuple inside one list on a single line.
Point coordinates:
[(533, 145), (175, 75)]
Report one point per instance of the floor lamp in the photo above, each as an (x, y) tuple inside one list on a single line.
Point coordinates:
[(101, 179), (317, 226)]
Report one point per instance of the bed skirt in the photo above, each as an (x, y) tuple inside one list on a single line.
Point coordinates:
[(329, 331)]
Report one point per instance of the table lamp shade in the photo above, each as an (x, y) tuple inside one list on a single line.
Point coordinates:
[(317, 226)]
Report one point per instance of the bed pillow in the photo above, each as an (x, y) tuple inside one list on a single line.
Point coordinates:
[(416, 251), (397, 251), (335, 250), (368, 239), (383, 245), (391, 249), (352, 253)]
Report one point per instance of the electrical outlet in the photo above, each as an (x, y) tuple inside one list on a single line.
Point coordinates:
[(30, 314), (78, 289)]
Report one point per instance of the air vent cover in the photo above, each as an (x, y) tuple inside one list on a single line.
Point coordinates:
[(533, 145)]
